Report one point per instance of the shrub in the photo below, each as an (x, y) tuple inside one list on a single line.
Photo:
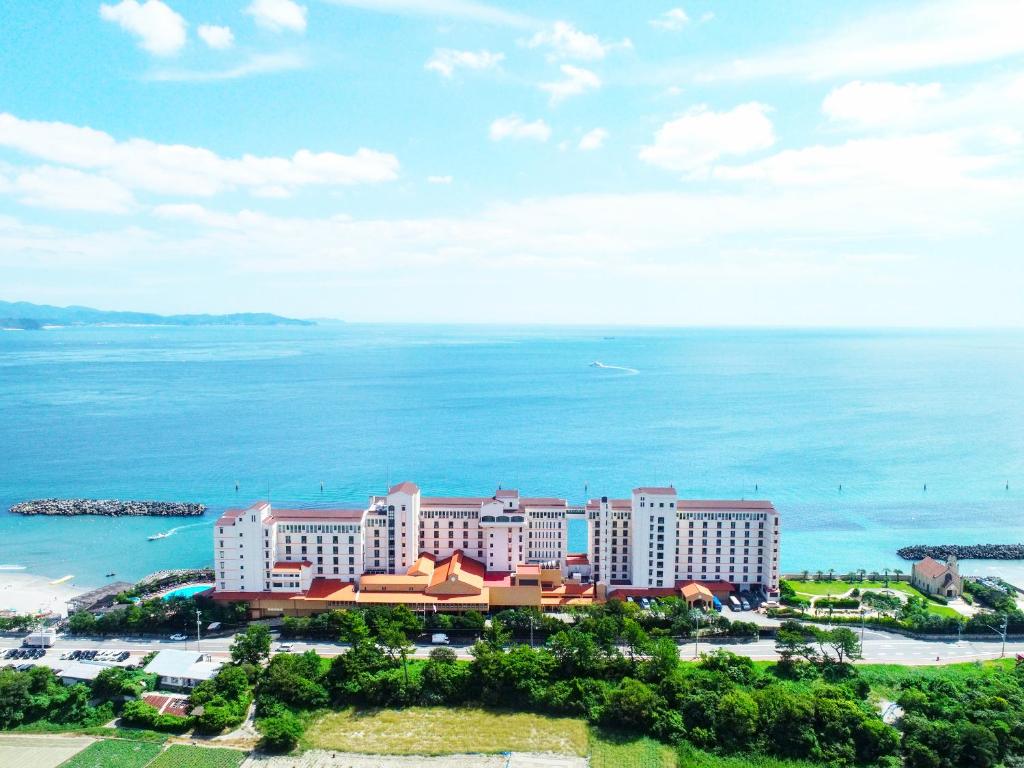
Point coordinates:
[(281, 733)]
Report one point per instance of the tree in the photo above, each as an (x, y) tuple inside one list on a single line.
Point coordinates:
[(576, 653), (633, 704), (736, 718), (793, 642), (251, 646), (281, 733), (113, 683), (841, 641), (82, 623), (15, 697), (396, 645)]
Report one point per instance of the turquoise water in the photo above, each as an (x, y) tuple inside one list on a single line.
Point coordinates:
[(184, 413), (195, 589)]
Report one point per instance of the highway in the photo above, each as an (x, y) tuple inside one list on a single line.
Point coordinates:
[(879, 647)]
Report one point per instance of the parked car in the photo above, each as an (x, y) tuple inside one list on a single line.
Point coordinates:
[(439, 638), (285, 648), (179, 636)]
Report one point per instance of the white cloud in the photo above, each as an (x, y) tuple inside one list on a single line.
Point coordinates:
[(871, 104), (897, 38), (918, 161), (69, 189), (278, 15), (697, 139), (447, 60), (514, 127), (577, 81), (456, 9), (160, 30), (672, 20), (183, 170), (439, 179), (593, 139), (564, 41), (219, 38), (256, 64)]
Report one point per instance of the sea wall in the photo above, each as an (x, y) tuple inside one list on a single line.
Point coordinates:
[(963, 551), (108, 507)]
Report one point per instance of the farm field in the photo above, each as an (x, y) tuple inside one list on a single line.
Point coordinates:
[(184, 756), (39, 751), (114, 753), (436, 731)]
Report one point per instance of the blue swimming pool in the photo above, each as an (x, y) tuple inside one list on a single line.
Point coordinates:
[(189, 591)]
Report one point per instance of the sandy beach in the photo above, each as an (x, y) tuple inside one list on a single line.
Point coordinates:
[(27, 593)]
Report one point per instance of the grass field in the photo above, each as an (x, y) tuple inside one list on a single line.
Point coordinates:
[(612, 751), (837, 587), (184, 756), (438, 731), (38, 751), (697, 759), (114, 754)]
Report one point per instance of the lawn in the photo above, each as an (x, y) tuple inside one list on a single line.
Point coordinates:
[(694, 758), (441, 731), (838, 587), (114, 753), (184, 756), (610, 750)]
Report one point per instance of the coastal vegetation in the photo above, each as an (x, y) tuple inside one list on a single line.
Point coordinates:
[(29, 316), (177, 614), (108, 508)]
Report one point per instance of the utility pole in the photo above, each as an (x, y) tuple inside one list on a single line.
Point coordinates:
[(198, 631), (862, 629), (531, 630), (696, 636)]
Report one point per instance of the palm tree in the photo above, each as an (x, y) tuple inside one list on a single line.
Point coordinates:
[(806, 575), (831, 574), (861, 572), (886, 572), (819, 575)]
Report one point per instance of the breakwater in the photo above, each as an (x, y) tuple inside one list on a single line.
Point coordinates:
[(963, 551), (108, 507)]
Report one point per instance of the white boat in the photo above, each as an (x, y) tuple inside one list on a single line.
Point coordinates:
[(156, 536)]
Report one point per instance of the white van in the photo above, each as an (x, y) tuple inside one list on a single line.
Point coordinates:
[(439, 638)]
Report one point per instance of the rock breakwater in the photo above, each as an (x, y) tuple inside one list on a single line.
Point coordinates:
[(108, 507), (963, 551)]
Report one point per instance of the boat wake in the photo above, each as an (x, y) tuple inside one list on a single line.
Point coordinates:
[(12, 567), (172, 531), (627, 371)]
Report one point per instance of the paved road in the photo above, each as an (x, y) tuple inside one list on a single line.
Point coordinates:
[(879, 647)]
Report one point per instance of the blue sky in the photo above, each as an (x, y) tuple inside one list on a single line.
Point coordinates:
[(797, 163)]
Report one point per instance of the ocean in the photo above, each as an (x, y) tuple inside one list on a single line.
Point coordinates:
[(865, 440)]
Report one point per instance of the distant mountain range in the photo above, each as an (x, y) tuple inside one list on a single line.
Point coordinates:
[(32, 317)]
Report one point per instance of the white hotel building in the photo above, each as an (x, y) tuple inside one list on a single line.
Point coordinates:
[(650, 541)]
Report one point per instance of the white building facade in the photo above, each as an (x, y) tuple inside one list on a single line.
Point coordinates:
[(653, 540)]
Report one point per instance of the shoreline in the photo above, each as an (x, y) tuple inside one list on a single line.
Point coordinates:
[(31, 593)]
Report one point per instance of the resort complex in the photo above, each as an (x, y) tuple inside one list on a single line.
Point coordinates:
[(456, 554)]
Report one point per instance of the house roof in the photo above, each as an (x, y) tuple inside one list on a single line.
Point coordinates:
[(347, 514), (654, 490), (330, 589), (188, 664), (287, 566), (78, 670), (459, 567), (506, 493), (407, 486), (542, 501), (696, 591), (931, 568), (698, 504), (577, 558), (454, 501)]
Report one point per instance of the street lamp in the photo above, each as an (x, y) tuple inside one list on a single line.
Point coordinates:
[(1001, 632), (198, 638), (696, 616)]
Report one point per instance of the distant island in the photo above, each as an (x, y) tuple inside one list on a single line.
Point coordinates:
[(963, 551), (108, 507), (23, 315)]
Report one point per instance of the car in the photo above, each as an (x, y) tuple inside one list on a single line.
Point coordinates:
[(284, 648), (123, 656), (179, 636), (439, 638)]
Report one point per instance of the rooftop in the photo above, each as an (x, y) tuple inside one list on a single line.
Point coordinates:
[(188, 664), (408, 487), (654, 490)]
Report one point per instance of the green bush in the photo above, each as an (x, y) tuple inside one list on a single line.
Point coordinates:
[(281, 733)]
